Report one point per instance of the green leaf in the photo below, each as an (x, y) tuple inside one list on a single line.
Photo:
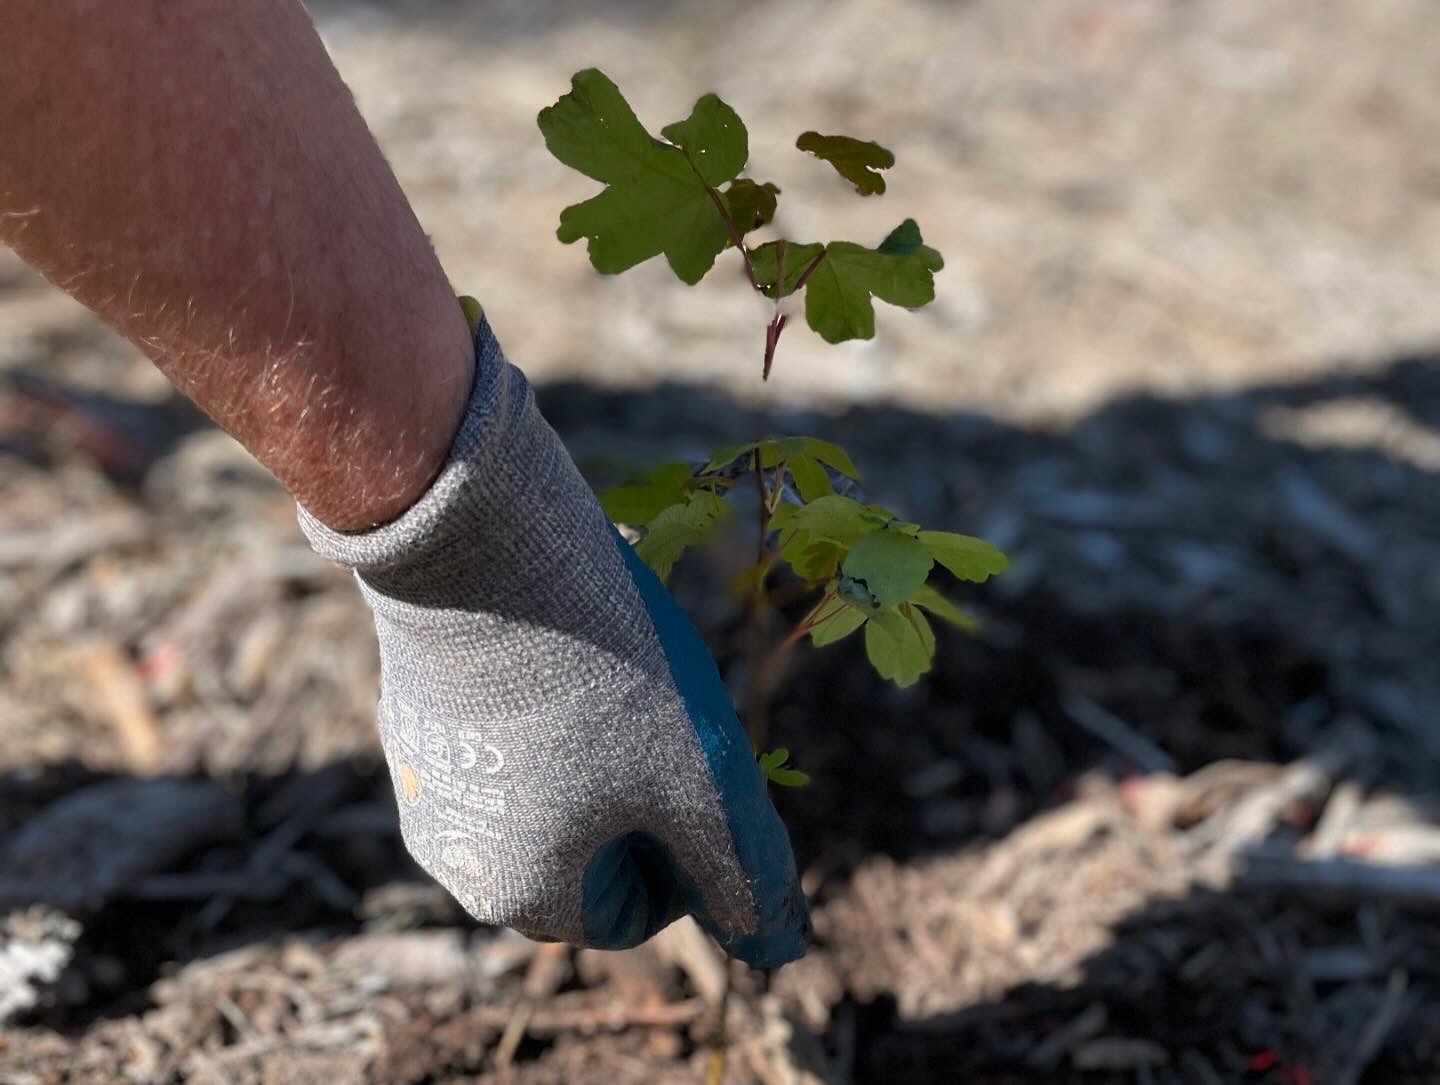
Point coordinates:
[(774, 759), (839, 519), (714, 139), (752, 204), (887, 567), (901, 271), (832, 455), (772, 765), (967, 557), (765, 260), (474, 312), (776, 450), (810, 478), (855, 160), (812, 559), (789, 778), (815, 536), (658, 196), (724, 457), (676, 529), (783, 517), (897, 648), (923, 630), (642, 502), (839, 627), (944, 609), (904, 240)]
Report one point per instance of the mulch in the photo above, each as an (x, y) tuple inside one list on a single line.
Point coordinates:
[(1170, 818)]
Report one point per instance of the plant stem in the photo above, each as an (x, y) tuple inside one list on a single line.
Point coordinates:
[(720, 1042), (779, 320), (762, 551), (736, 238), (771, 669), (755, 623), (810, 269), (772, 340)]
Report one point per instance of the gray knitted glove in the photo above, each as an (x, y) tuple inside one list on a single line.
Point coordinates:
[(566, 759)]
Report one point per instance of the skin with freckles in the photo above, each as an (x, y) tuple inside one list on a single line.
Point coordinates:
[(198, 175)]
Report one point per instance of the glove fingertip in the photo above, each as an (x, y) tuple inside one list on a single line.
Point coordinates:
[(770, 949), (782, 935)]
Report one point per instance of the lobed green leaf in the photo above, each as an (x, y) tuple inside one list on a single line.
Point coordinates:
[(751, 203), (901, 271), (789, 778), (765, 260), (810, 477), (899, 644), (641, 502), (832, 455), (772, 765), (839, 627), (884, 569), (968, 558), (724, 457), (812, 559), (938, 605), (659, 197), (839, 292), (678, 528), (839, 519), (776, 450), (858, 161), (775, 758)]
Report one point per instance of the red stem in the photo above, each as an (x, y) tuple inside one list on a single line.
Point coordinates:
[(809, 270), (735, 236)]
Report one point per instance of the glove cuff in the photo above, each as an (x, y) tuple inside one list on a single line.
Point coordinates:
[(476, 474)]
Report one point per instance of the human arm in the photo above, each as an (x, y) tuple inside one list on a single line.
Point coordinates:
[(198, 175), (565, 756)]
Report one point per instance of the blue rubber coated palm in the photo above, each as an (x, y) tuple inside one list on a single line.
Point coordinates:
[(633, 887)]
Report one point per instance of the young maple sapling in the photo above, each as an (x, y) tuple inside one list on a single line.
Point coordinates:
[(682, 197)]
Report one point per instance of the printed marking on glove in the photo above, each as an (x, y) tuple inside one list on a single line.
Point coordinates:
[(437, 750), (409, 783), (453, 767), (459, 848), (468, 757)]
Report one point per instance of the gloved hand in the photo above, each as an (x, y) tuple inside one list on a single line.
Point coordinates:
[(566, 759)]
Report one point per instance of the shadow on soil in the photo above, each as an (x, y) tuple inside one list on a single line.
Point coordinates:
[(1227, 577)]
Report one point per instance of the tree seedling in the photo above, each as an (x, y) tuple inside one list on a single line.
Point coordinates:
[(682, 196)]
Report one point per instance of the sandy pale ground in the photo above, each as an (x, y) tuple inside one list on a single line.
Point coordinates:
[(1175, 196), (1131, 194)]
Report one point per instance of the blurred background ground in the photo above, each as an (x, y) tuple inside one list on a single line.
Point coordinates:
[(1170, 819)]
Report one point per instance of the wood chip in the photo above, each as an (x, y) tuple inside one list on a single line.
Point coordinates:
[(1119, 1054), (121, 701)]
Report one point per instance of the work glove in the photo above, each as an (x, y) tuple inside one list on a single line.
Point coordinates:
[(565, 757)]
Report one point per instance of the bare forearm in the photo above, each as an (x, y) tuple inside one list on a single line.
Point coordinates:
[(198, 175)]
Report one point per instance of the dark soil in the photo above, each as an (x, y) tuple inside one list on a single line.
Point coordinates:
[(1083, 850)]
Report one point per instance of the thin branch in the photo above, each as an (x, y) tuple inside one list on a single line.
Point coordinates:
[(815, 618), (809, 270), (765, 681), (755, 615), (735, 236), (765, 512), (720, 1042), (772, 340)]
